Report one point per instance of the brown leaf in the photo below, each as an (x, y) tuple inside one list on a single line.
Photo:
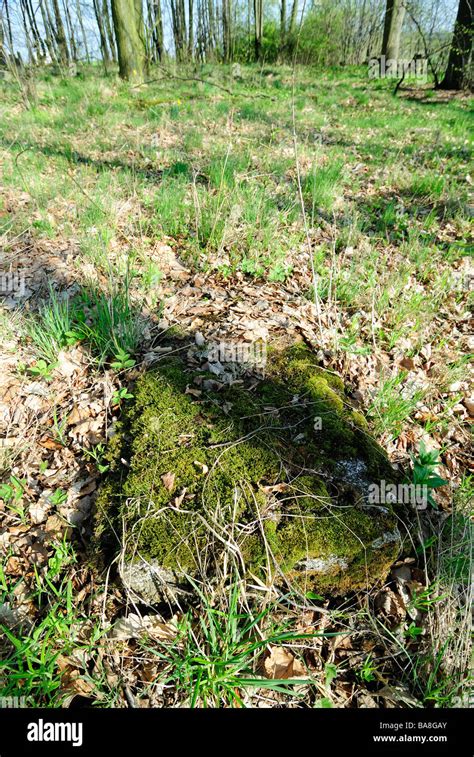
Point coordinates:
[(179, 499), (69, 362), (193, 392), (168, 481), (49, 443), (282, 664)]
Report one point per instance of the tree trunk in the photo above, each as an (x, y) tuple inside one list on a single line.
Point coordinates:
[(294, 14), (158, 29), (29, 44), (9, 26), (178, 17), (282, 26), (38, 40), (461, 48), (227, 30), (50, 38), (155, 32), (70, 29), (3, 54), (394, 15), (83, 31), (212, 36), (258, 15), (129, 44), (108, 30), (102, 34), (191, 29), (60, 35), (140, 24)]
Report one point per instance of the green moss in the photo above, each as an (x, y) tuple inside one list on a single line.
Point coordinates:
[(241, 464)]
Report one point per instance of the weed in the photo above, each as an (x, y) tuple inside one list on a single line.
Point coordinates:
[(121, 395), (54, 327), (122, 361), (391, 406), (215, 655), (111, 327), (97, 454), (42, 369), (368, 670), (424, 471), (58, 497)]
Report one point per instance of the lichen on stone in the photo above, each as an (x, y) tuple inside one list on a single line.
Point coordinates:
[(245, 468)]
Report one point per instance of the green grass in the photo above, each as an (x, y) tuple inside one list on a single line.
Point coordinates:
[(29, 656), (393, 403), (55, 326), (216, 657)]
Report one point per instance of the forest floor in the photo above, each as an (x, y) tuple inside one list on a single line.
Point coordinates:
[(197, 204)]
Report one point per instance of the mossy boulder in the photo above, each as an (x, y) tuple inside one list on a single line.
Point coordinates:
[(271, 471)]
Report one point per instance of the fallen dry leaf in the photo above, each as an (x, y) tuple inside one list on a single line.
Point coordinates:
[(168, 481), (134, 626), (282, 664)]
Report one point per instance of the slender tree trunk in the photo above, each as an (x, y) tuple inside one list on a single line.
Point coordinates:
[(258, 15), (109, 31), (8, 25), (38, 40), (29, 44), (3, 54), (150, 32), (70, 29), (461, 48), (60, 34), (158, 29), (282, 26), (131, 53), (190, 29), (102, 34), (394, 15), (293, 17), (83, 31), (212, 27), (140, 24), (178, 16), (227, 33), (50, 37)]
